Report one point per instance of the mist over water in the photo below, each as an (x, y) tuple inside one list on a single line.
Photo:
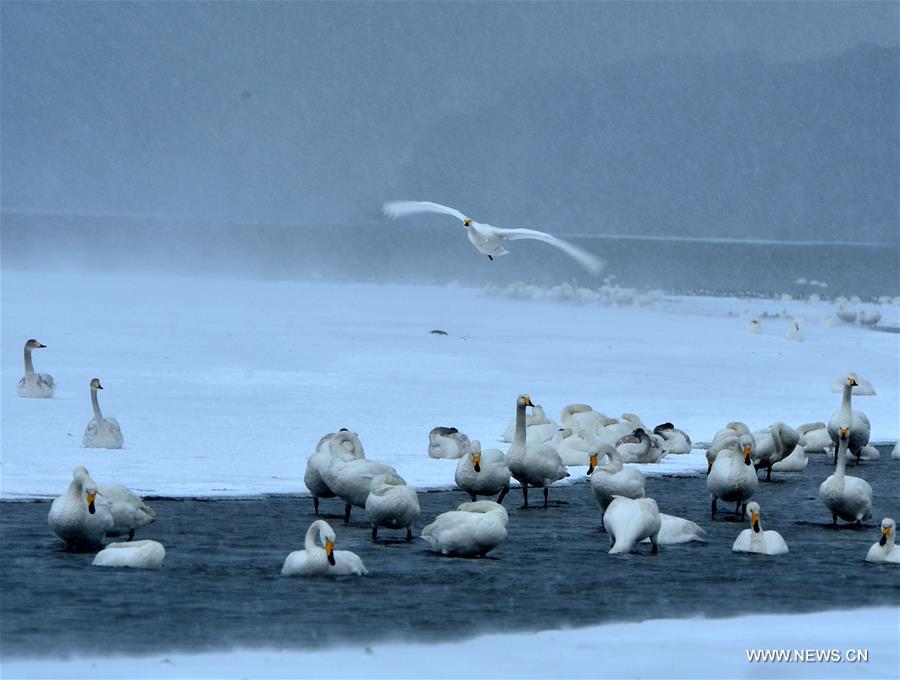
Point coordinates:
[(260, 140)]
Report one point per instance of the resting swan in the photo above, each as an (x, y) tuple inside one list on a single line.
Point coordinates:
[(101, 433), (447, 442), (885, 550), (344, 445), (392, 504), (532, 465), (628, 521), (613, 478), (732, 477), (473, 529), (849, 498), (772, 445), (322, 561), (581, 418), (755, 540), (638, 447), (128, 511), (351, 480), (796, 462), (856, 421), (816, 437), (537, 418), (40, 385), (136, 555), (675, 441), (483, 473), (75, 517)]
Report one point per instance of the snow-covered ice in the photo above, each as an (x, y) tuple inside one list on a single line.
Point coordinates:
[(685, 648), (223, 387)]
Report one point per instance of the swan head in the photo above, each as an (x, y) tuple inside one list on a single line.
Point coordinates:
[(31, 343), (753, 510), (659, 429), (327, 537), (844, 433), (887, 530), (467, 222), (95, 384), (525, 400)]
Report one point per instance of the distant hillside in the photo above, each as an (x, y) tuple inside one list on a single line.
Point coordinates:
[(729, 147)]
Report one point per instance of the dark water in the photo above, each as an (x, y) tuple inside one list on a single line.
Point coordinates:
[(220, 585)]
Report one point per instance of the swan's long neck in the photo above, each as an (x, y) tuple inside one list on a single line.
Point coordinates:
[(845, 403), (29, 367), (841, 463), (615, 461), (310, 541), (758, 538), (76, 490), (96, 404), (520, 424), (776, 441)]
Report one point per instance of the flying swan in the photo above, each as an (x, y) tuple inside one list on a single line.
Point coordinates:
[(487, 239)]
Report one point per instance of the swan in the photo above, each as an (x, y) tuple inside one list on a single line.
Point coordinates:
[(473, 529), (128, 511), (621, 427), (794, 333), (342, 444), (581, 418), (350, 480), (885, 550), (849, 498), (895, 454), (613, 478), (754, 326), (33, 384), (135, 554), (574, 448), (101, 433), (755, 540), (488, 240), (674, 530), (846, 314), (796, 462), (638, 447), (869, 319), (535, 418), (316, 560), (483, 473), (75, 516), (816, 436), (732, 477), (447, 442), (733, 430), (857, 421), (868, 452), (392, 504), (675, 441), (773, 444), (630, 520), (535, 465)]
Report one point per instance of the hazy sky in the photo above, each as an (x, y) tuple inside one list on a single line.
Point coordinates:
[(277, 111)]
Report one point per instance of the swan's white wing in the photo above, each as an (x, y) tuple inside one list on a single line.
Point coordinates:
[(587, 260), (402, 208)]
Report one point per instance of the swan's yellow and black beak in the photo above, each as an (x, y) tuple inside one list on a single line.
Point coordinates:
[(41, 346), (592, 463), (884, 536), (476, 462), (467, 222), (99, 386), (746, 455), (90, 500), (329, 551), (528, 401), (754, 519), (853, 382), (843, 432)]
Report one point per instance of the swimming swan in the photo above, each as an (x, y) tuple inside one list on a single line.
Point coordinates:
[(351, 480), (732, 477), (532, 464), (847, 497), (136, 555), (344, 445), (856, 421), (322, 561), (629, 520), (447, 442), (75, 517), (483, 473), (885, 550), (101, 433), (40, 385), (473, 529), (489, 240), (392, 504), (755, 540)]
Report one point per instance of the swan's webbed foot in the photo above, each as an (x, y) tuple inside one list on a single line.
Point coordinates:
[(714, 507), (546, 497), (525, 494), (347, 510), (374, 532), (409, 535), (503, 492), (131, 534), (316, 505), (655, 549), (769, 474)]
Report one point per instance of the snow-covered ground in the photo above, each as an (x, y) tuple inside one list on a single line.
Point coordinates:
[(691, 648), (223, 387)]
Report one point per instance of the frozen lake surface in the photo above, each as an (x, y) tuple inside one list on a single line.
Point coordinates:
[(220, 586)]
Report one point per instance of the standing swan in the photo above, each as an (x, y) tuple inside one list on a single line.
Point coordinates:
[(856, 421), (756, 540), (773, 445), (75, 516), (392, 504), (101, 433), (849, 498), (885, 550), (40, 385), (629, 520), (732, 476), (322, 560), (344, 445), (483, 473), (532, 464)]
